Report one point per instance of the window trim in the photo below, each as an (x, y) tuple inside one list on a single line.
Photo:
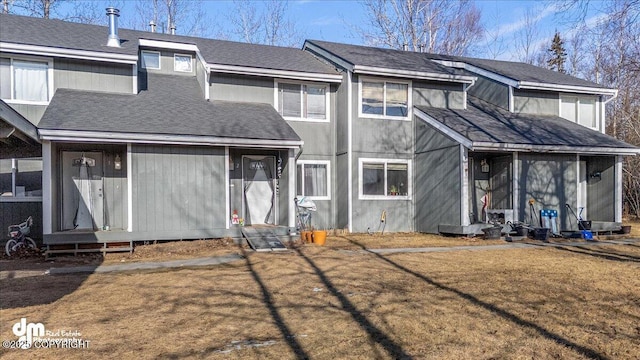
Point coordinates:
[(596, 105), (327, 99), (144, 65), (409, 84), (315, 162), (362, 196), (190, 63), (25, 58)]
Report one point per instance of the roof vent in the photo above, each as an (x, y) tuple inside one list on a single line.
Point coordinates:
[(153, 26), (405, 47), (173, 29), (113, 15)]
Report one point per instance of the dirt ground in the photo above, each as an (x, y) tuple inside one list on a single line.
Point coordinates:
[(335, 302)]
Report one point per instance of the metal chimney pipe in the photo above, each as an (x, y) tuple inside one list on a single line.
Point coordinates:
[(405, 47), (422, 48), (173, 29), (153, 26), (113, 15)]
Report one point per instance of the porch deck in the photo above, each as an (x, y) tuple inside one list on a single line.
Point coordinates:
[(597, 227), (84, 241)]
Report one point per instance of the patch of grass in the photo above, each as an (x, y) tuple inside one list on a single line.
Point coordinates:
[(324, 303)]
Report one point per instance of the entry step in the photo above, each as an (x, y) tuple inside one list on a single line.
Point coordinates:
[(262, 239)]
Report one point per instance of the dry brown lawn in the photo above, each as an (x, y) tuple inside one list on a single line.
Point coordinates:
[(340, 302)]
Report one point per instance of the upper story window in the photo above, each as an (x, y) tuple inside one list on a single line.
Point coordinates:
[(384, 99), (182, 63), (25, 80), (313, 179), (385, 179), (580, 109), (303, 101), (150, 59)]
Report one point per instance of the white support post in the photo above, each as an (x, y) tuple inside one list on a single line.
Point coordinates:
[(47, 188), (129, 189), (134, 79), (350, 150), (292, 188), (618, 191), (515, 205), (227, 182), (464, 182)]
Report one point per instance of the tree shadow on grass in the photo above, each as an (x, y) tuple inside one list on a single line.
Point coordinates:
[(601, 254), (492, 308), (267, 299), (375, 334)]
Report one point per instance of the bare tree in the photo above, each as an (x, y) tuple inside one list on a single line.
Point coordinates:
[(37, 8), (525, 39), (442, 26), (188, 17), (264, 22)]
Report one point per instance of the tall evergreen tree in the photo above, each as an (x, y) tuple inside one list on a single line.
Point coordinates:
[(557, 53)]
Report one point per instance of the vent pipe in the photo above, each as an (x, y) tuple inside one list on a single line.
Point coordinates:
[(422, 48), (173, 29), (113, 15), (153, 26), (405, 47)]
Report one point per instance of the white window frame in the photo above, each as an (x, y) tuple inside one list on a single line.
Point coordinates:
[(327, 99), (362, 196), (190, 63), (409, 83), (577, 98), (144, 65), (50, 88), (315, 162)]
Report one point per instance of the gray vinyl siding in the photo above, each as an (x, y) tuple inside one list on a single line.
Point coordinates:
[(166, 62), (178, 188), (600, 194), (241, 88), (438, 94), (33, 113), (12, 213), (551, 180), (436, 179), (341, 191), (491, 91), (201, 76), (92, 76), (536, 102), (341, 119)]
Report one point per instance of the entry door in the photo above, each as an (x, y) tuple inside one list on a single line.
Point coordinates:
[(258, 182), (82, 195), (501, 182)]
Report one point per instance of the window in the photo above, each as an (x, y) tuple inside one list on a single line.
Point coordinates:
[(388, 179), (151, 60), (24, 80), (303, 101), (384, 99), (182, 63), (312, 179), (20, 178), (579, 109)]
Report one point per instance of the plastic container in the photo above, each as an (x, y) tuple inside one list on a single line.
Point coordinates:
[(625, 229), (306, 236), (585, 225), (541, 234), (319, 237), (492, 233)]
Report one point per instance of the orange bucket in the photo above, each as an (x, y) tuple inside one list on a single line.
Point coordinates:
[(319, 237), (306, 236)]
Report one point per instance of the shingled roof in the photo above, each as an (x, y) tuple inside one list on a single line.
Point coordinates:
[(519, 71), (61, 34), (482, 122), (384, 58), (171, 105)]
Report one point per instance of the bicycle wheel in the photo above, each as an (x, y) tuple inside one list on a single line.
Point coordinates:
[(30, 243), (10, 247)]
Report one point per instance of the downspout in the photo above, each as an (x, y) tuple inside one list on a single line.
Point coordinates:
[(465, 89), (603, 122)]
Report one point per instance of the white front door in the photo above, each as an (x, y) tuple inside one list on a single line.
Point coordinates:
[(258, 182), (82, 196)]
